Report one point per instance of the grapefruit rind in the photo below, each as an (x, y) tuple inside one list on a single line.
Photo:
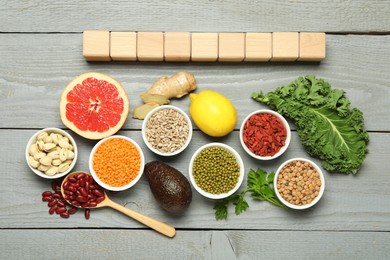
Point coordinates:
[(94, 135)]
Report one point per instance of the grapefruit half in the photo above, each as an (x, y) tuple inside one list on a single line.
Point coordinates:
[(94, 105)]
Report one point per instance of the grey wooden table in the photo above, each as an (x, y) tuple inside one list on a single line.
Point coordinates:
[(40, 50)]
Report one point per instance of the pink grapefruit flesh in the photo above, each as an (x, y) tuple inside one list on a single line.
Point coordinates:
[(94, 105)]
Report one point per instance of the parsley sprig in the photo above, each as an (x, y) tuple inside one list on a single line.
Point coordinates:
[(260, 185)]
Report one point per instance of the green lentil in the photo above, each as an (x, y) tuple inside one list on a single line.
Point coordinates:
[(216, 170)]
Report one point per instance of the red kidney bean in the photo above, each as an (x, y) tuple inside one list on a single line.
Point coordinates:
[(83, 192), (52, 203), (97, 193), (91, 197), (61, 204), (59, 210), (47, 194), (81, 199), (47, 198), (87, 187), (72, 179), (80, 176), (55, 185), (100, 199), (64, 214), (92, 204), (87, 213), (72, 211), (53, 209)]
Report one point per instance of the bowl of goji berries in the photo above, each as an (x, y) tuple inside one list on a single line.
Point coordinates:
[(265, 134)]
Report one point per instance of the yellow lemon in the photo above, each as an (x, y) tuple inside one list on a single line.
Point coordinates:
[(213, 113)]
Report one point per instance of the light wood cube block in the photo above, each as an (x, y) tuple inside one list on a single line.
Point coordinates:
[(204, 46), (311, 46), (150, 46), (258, 46), (96, 45), (285, 46), (231, 47), (123, 46), (177, 46)]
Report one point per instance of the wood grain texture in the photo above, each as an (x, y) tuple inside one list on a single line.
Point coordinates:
[(133, 244), (350, 203), (36, 68), (200, 16)]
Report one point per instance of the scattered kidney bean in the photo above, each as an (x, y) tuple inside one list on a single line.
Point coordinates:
[(87, 213), (64, 215), (264, 134), (57, 203)]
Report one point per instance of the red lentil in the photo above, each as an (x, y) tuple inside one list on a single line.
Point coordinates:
[(117, 162), (264, 134)]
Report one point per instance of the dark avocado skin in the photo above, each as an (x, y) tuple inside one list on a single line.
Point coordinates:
[(170, 187)]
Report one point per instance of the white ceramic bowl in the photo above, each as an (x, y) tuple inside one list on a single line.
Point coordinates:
[(316, 199), (33, 139), (144, 128), (106, 186), (282, 149), (223, 195)]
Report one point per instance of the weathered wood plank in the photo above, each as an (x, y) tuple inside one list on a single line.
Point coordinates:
[(360, 202), (36, 68), (242, 16), (133, 244)]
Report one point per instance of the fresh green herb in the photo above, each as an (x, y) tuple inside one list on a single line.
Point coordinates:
[(327, 127), (260, 185)]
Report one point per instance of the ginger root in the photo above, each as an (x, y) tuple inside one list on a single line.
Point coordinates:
[(163, 90)]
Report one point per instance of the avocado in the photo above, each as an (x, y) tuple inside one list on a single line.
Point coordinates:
[(169, 186)]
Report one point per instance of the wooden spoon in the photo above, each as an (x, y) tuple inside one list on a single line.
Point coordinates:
[(161, 227)]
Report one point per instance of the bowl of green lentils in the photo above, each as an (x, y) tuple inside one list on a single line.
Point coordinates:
[(216, 170)]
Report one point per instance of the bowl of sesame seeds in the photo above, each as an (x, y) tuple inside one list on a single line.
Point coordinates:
[(167, 130), (299, 183)]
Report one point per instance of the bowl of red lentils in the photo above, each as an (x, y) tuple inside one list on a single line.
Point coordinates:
[(265, 134), (216, 170), (116, 163), (299, 183), (167, 130)]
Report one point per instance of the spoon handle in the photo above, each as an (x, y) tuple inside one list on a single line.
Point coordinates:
[(159, 226)]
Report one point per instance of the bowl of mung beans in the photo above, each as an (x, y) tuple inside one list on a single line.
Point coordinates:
[(299, 183), (116, 163), (167, 130), (216, 170)]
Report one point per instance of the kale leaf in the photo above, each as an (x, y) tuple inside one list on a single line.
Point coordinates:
[(326, 125)]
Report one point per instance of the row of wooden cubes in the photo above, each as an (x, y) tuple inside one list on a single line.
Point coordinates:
[(203, 47)]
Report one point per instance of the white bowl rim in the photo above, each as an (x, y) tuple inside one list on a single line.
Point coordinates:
[(239, 161), (130, 184), (322, 189), (146, 119), (51, 130), (282, 149)]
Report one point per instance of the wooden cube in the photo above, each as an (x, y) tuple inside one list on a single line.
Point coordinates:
[(231, 47), (311, 46), (204, 46), (123, 46), (285, 46), (96, 45), (258, 46), (150, 46), (177, 46)]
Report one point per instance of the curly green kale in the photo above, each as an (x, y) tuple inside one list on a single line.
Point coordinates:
[(326, 125)]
